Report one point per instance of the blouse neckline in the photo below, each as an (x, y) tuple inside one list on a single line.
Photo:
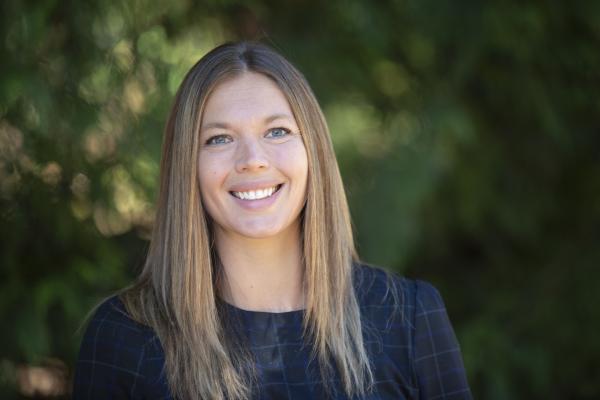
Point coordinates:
[(263, 317)]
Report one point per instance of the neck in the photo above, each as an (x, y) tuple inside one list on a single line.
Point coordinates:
[(263, 274)]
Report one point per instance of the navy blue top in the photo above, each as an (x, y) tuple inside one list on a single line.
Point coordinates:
[(414, 354)]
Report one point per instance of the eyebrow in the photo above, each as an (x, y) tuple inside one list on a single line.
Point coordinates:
[(223, 125)]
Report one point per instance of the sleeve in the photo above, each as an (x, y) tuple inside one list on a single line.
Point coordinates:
[(438, 362), (111, 356)]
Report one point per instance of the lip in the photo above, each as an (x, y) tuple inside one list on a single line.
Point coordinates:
[(261, 204)]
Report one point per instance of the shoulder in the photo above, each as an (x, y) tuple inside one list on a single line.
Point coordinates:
[(110, 320), (114, 353), (427, 296), (422, 340), (382, 293), (374, 281), (375, 284)]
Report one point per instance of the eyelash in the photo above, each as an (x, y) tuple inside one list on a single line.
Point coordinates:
[(211, 141)]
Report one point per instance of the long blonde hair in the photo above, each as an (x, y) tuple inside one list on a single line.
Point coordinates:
[(176, 292)]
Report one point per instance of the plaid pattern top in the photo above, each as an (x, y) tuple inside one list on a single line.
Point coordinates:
[(414, 352)]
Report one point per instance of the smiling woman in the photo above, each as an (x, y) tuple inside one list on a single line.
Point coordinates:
[(252, 287)]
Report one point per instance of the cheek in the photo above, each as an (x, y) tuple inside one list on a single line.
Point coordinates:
[(210, 177), (302, 163), (294, 163)]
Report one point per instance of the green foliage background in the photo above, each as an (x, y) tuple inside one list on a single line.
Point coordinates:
[(467, 133)]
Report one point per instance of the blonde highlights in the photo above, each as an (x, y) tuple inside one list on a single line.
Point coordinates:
[(176, 292)]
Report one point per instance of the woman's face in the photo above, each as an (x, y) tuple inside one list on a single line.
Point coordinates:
[(252, 164)]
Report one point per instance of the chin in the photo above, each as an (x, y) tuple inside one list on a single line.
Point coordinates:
[(260, 229), (260, 233)]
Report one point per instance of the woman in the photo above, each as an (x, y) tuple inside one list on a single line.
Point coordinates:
[(251, 287)]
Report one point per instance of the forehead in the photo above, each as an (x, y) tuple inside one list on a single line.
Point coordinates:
[(250, 96)]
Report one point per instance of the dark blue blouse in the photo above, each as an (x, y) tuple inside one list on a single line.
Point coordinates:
[(414, 353)]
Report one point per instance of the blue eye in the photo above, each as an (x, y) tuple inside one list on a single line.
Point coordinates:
[(278, 133), (219, 140)]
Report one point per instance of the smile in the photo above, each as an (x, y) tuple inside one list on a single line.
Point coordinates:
[(257, 194)]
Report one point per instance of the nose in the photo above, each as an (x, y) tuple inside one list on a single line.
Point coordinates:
[(251, 156)]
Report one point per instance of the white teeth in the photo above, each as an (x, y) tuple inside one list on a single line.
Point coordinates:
[(255, 194)]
